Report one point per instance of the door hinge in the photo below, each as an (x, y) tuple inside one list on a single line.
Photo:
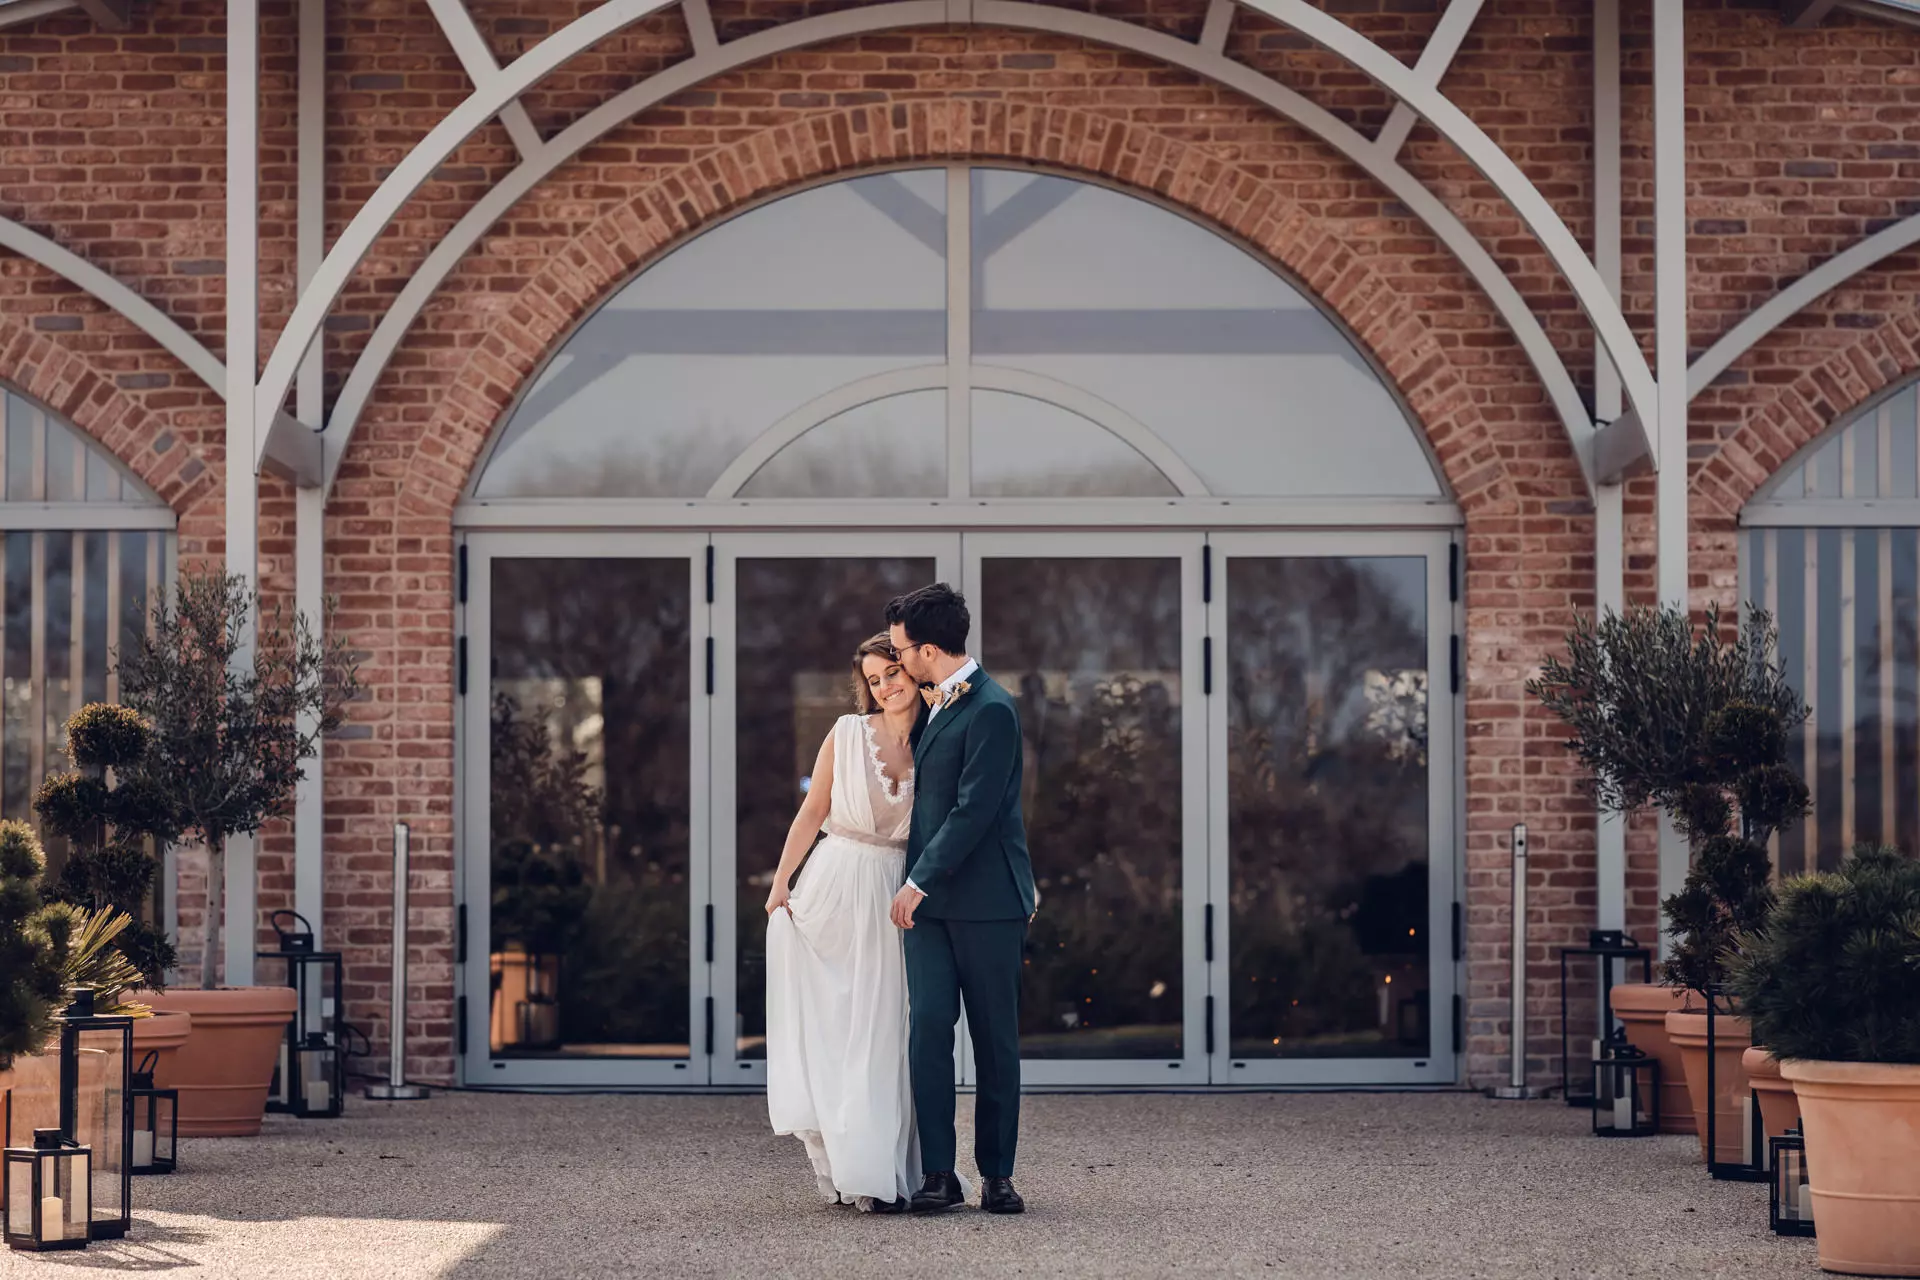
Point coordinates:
[(460, 1026), (1208, 936), (709, 573), (1453, 572), (461, 575), (1206, 573), (1209, 1026), (709, 666), (460, 931), (460, 651), (709, 933), (1459, 933), (1459, 1024), (709, 1026), (1453, 663), (1206, 665)]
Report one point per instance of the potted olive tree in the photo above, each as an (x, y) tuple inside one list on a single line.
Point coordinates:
[(231, 724), (1695, 724), (1831, 984)]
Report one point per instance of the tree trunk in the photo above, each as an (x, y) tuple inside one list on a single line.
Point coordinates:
[(216, 903)]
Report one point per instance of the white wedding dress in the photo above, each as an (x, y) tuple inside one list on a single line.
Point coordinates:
[(837, 988)]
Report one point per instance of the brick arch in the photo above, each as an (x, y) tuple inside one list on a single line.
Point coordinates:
[(630, 235), (68, 383)]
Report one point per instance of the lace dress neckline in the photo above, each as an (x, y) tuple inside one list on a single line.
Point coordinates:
[(893, 791)]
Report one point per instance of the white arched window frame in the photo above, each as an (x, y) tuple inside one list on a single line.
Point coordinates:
[(86, 544), (1830, 547), (1040, 327)]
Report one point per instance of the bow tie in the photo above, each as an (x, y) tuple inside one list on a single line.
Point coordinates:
[(937, 696)]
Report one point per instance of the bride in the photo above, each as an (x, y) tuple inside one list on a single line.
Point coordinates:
[(836, 973)]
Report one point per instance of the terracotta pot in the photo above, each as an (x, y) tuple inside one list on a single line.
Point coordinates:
[(35, 1091), (1779, 1111), (1731, 1039), (162, 1035), (1862, 1124), (223, 1070), (1642, 1008)]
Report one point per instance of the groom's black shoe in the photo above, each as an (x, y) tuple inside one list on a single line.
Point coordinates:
[(998, 1196), (897, 1205), (941, 1193)]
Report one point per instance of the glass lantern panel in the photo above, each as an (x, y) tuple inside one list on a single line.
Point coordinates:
[(19, 1194), (316, 1079), (66, 1199), (100, 1116)]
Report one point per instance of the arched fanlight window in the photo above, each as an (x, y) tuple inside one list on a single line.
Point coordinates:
[(1831, 548), (958, 332), (85, 545)]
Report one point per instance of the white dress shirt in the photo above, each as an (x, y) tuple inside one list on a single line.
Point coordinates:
[(966, 669)]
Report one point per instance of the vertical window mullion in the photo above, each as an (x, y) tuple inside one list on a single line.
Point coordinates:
[(960, 277)]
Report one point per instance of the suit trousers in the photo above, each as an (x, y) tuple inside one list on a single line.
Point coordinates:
[(979, 962)]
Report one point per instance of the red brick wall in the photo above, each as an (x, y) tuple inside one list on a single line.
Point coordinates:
[(113, 145)]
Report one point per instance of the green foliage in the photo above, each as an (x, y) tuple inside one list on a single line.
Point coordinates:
[(540, 894), (114, 824), (1697, 725), (29, 975), (235, 710), (1834, 975), (81, 945)]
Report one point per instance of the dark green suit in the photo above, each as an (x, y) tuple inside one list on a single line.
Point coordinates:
[(967, 851)]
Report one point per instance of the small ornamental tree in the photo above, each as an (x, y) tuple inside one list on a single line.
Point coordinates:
[(1834, 976), (230, 727), (1695, 724), (115, 818), (30, 986)]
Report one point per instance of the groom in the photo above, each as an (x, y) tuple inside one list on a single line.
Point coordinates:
[(967, 899)]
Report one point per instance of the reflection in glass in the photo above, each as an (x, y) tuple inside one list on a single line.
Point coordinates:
[(1092, 649), (1327, 782), (591, 693), (799, 621), (1191, 336), (890, 448), (662, 387), (1024, 447)]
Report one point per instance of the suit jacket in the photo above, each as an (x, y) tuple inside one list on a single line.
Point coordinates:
[(967, 848)]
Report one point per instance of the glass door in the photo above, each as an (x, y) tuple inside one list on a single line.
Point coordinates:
[(789, 612), (1099, 638), (584, 809), (1332, 820)]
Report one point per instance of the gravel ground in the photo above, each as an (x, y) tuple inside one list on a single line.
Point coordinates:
[(1364, 1185)]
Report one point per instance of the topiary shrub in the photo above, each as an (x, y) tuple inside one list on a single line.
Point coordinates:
[(30, 986), (115, 820), (1696, 724), (1834, 974)]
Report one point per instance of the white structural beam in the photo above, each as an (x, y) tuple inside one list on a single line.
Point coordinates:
[(1609, 506), (1670, 346), (1218, 26), (21, 12), (1602, 312), (486, 102), (118, 296), (108, 15), (1799, 295), (700, 26), (481, 66), (242, 439), (1806, 13), (1424, 205), (1442, 47), (310, 501)]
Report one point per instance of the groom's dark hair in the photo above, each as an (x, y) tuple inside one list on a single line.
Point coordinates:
[(935, 615)]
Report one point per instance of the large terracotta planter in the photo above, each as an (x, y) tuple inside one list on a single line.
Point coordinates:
[(1862, 1125), (224, 1068), (1779, 1111), (1642, 1008), (1731, 1039), (35, 1090)]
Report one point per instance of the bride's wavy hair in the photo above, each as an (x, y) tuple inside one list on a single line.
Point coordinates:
[(875, 646)]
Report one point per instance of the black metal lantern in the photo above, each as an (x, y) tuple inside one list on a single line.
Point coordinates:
[(309, 1079), (96, 1107), (156, 1122), (1606, 947), (1789, 1192), (1626, 1090), (47, 1188), (1753, 1147)]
